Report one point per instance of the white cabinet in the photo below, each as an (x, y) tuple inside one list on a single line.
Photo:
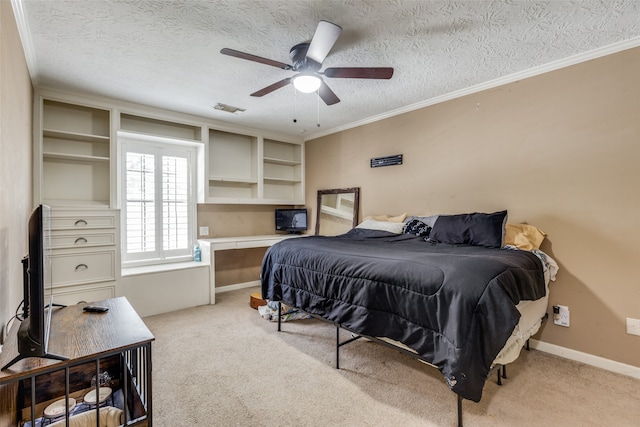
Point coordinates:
[(72, 160), (73, 166), (252, 169), (84, 259)]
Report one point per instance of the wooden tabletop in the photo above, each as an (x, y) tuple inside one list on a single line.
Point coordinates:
[(80, 336)]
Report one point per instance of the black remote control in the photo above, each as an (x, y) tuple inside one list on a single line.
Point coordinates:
[(95, 309)]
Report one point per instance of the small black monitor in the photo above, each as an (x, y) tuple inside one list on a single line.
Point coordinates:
[(291, 220)]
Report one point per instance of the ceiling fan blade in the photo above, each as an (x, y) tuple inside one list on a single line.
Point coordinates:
[(250, 57), (327, 95), (359, 72), (272, 87), (323, 40)]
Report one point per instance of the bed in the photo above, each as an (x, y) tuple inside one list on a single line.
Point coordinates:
[(446, 288)]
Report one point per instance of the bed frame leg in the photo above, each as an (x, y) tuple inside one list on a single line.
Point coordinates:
[(337, 347), (502, 373), (459, 411), (279, 316), (527, 347)]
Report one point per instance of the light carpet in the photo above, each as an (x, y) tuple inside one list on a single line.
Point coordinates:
[(223, 365)]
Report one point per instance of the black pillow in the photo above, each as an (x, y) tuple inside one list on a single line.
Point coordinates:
[(479, 229), (417, 227)]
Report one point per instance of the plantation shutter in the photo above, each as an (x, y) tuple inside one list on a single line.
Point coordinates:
[(159, 203)]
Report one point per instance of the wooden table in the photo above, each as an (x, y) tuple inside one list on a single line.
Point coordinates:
[(86, 339)]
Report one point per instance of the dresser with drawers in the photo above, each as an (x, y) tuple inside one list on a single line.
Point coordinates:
[(84, 255)]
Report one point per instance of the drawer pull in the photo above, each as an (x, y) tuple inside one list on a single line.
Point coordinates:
[(81, 266), (80, 240), (80, 222)]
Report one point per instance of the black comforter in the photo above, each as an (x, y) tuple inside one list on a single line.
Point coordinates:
[(453, 305)]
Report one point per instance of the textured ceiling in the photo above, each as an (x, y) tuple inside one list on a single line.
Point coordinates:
[(166, 53)]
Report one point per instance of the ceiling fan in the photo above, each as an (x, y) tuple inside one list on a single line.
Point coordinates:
[(307, 60)]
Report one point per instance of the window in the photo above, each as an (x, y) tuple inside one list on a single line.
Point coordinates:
[(158, 202)]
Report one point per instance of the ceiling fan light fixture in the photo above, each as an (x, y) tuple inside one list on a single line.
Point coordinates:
[(307, 83)]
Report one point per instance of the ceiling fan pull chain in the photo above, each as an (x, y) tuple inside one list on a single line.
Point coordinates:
[(318, 103), (295, 105)]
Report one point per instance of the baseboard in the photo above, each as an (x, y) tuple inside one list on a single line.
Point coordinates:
[(587, 359), (237, 286)]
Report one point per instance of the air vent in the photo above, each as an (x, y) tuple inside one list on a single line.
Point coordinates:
[(228, 108), (377, 162)]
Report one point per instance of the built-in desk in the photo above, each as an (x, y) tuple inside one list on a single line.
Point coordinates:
[(210, 246), (117, 339)]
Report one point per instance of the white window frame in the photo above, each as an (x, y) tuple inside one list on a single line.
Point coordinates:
[(157, 147)]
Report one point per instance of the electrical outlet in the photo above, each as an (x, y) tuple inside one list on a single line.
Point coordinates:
[(204, 231), (633, 326), (561, 315)]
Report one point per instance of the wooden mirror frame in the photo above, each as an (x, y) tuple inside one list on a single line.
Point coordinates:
[(356, 203)]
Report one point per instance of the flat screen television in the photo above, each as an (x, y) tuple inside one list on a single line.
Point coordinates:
[(33, 333), (291, 220)]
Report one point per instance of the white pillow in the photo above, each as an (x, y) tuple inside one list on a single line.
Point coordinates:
[(391, 227)]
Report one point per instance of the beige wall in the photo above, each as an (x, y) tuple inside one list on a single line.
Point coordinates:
[(16, 96), (560, 151), (237, 220)]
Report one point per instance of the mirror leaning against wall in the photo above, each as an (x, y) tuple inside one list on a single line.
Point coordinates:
[(337, 211)]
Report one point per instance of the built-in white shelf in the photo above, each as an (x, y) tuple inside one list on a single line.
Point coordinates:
[(282, 161), (74, 157), (72, 160), (250, 169), (230, 179), (75, 136)]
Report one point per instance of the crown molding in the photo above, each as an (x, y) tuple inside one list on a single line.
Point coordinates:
[(25, 38)]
